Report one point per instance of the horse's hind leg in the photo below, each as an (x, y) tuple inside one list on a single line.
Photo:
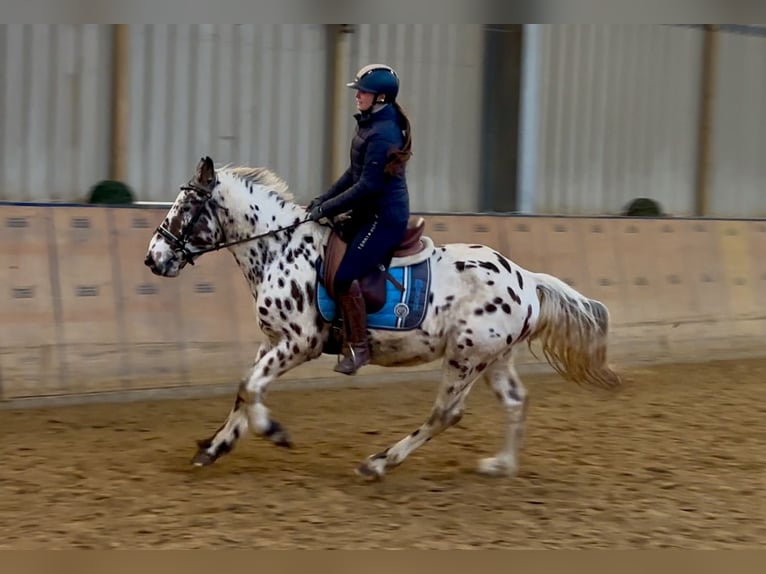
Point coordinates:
[(504, 381), (457, 379)]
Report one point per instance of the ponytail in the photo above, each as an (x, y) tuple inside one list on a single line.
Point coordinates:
[(398, 158)]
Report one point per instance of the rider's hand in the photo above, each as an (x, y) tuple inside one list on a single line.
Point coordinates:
[(315, 214)]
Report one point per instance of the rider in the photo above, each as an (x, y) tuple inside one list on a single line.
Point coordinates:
[(374, 190)]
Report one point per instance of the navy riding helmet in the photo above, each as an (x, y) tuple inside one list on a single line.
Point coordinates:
[(377, 79)]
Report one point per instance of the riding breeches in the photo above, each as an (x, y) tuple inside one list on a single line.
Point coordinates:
[(373, 243)]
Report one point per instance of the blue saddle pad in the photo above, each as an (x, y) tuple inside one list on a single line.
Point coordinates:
[(402, 310)]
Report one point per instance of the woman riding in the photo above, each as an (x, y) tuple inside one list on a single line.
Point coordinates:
[(374, 190)]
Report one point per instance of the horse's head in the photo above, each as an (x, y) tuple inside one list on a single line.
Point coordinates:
[(190, 227)]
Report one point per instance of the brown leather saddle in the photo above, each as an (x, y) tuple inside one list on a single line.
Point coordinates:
[(373, 284)]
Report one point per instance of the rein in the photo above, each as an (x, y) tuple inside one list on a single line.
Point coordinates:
[(225, 244)]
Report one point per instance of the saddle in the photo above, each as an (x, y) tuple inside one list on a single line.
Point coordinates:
[(373, 284)]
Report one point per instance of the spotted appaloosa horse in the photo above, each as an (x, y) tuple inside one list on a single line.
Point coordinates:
[(480, 307)]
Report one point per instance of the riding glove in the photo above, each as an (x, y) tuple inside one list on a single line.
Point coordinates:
[(316, 213)]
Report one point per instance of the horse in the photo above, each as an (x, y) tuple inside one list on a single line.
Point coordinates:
[(465, 304)]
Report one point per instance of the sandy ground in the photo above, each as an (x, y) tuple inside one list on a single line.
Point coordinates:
[(678, 459)]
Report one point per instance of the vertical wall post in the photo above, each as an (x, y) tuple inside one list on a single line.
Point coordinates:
[(120, 75), (336, 155), (529, 118), (705, 127)]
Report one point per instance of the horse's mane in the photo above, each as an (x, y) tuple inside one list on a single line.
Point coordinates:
[(260, 176)]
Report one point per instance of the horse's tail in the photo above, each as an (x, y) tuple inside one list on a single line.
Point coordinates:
[(573, 331)]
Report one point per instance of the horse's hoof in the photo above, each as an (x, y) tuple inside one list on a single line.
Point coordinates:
[(370, 471), (494, 466), (278, 435), (202, 459), (284, 442)]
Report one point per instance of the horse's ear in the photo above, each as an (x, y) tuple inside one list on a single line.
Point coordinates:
[(206, 172)]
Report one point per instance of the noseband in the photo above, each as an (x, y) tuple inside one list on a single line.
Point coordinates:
[(179, 243)]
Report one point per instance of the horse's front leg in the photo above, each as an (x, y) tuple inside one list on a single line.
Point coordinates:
[(249, 410)]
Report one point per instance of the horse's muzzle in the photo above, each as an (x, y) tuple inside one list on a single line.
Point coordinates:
[(149, 262)]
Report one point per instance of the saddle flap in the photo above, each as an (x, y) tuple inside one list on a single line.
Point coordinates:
[(333, 255)]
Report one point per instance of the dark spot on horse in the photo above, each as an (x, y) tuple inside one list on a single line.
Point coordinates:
[(513, 295), (280, 355), (281, 282), (308, 239), (263, 310), (313, 342), (267, 301), (288, 305), (525, 328), (503, 261), (296, 349), (490, 308), (497, 300), (222, 449), (479, 312), (430, 297), (489, 266), (296, 328), (297, 295), (454, 364), (309, 291), (460, 265), (481, 366), (469, 342), (508, 340), (519, 279), (278, 303), (507, 308), (451, 389), (379, 455), (449, 298), (490, 282), (266, 371), (415, 433)]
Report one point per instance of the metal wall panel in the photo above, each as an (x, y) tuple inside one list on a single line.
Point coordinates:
[(739, 130), (440, 68), (54, 110), (243, 94), (618, 117)]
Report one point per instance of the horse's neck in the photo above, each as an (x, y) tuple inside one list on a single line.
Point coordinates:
[(272, 219), (265, 212)]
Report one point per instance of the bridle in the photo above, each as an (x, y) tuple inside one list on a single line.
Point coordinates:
[(180, 243)]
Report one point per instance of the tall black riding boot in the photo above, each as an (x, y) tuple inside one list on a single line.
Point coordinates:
[(352, 308)]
